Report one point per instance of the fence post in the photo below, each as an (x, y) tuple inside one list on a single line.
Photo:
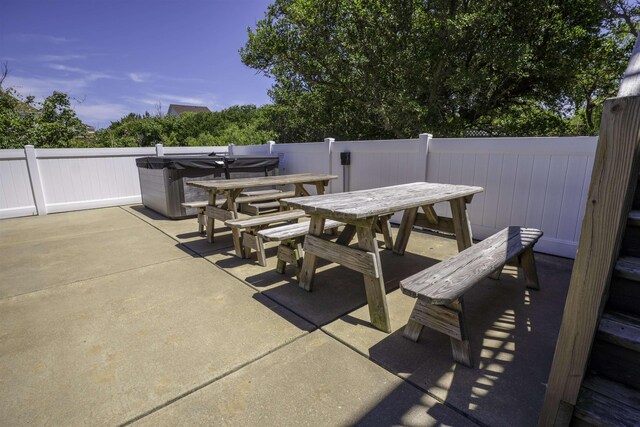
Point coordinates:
[(423, 153), (230, 149), (329, 142), (271, 143), (34, 177), (159, 150)]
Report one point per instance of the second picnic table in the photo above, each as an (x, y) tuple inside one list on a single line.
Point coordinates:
[(360, 211), (231, 189)]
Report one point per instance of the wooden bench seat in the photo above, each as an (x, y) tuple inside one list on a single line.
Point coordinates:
[(290, 237), (201, 206), (249, 240), (440, 288)]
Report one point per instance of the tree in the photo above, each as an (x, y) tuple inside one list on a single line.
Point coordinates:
[(394, 68)]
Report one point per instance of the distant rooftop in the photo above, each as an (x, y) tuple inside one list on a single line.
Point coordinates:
[(176, 109)]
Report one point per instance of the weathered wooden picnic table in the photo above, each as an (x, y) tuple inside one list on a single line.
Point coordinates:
[(231, 189), (360, 210)]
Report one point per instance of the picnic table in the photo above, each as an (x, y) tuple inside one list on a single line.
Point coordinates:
[(231, 189), (360, 210)]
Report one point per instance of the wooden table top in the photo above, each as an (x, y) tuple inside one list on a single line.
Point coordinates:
[(261, 181), (379, 201)]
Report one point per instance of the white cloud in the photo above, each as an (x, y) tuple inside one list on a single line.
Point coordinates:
[(47, 38), (87, 74), (58, 58), (140, 77), (180, 99)]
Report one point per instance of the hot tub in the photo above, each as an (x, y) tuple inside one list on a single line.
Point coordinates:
[(163, 179)]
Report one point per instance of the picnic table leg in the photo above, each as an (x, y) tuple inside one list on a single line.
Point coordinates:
[(308, 271), (461, 224), (402, 238), (385, 229), (237, 236), (528, 263), (347, 234), (374, 286), (210, 220)]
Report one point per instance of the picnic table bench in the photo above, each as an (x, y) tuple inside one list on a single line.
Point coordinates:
[(440, 289), (230, 189), (360, 210)]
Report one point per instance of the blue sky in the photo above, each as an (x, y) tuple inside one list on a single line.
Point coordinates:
[(114, 57)]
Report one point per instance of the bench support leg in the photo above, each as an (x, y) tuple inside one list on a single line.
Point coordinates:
[(446, 319), (289, 252), (528, 263), (374, 286), (202, 222), (402, 238), (412, 330), (496, 274), (460, 347), (251, 241), (210, 220), (308, 271)]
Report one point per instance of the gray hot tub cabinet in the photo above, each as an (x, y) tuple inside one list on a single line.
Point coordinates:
[(163, 179)]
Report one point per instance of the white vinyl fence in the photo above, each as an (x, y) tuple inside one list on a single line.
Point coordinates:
[(535, 182)]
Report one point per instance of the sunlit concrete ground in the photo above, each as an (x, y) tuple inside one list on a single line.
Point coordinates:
[(118, 316)]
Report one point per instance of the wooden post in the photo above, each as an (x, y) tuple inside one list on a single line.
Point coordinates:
[(461, 223), (613, 182), (402, 238), (210, 219)]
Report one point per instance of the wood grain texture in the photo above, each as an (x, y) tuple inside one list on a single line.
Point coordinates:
[(620, 329), (291, 231), (263, 181), (461, 223), (437, 317), (261, 220), (402, 237), (308, 270), (265, 197), (448, 280), (628, 268), (355, 259), (613, 183), (380, 201), (374, 282)]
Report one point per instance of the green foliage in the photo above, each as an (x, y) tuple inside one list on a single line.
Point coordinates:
[(240, 125), (394, 68), (53, 125)]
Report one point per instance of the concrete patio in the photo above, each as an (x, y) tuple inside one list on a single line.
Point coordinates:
[(118, 316)]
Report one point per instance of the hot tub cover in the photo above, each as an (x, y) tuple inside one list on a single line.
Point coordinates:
[(233, 163)]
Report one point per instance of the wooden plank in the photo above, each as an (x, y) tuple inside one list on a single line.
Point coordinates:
[(613, 182), (380, 201), (199, 204), (620, 329), (263, 181), (402, 238), (634, 218), (210, 218), (373, 281), (259, 192), (359, 260), (347, 235), (308, 270), (438, 317), (265, 197), (461, 223), (385, 229), (444, 224), (261, 220), (615, 391), (600, 410), (628, 268), (448, 280), (219, 214), (291, 231)]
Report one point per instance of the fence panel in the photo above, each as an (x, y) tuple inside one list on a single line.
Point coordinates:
[(304, 157), (16, 197), (535, 182)]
